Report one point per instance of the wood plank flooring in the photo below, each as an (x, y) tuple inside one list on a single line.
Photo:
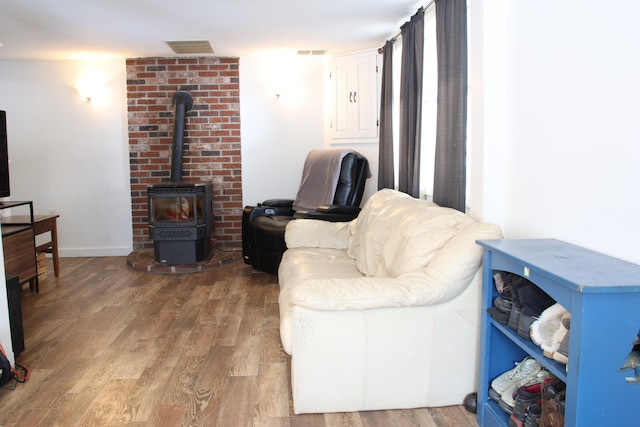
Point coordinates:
[(111, 346)]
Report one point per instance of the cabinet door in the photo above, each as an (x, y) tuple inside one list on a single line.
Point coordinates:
[(20, 255), (354, 97)]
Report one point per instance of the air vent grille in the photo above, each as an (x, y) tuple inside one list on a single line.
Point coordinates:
[(311, 52), (190, 46)]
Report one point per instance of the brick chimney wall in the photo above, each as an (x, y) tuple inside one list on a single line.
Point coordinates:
[(212, 136)]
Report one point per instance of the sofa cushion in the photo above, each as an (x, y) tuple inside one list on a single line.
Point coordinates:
[(421, 230), (310, 233), (447, 275), (396, 234), (303, 265), (375, 224)]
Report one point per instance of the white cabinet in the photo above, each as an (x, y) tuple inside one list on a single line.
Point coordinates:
[(353, 97)]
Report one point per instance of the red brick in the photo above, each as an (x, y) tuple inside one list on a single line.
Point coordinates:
[(213, 83)]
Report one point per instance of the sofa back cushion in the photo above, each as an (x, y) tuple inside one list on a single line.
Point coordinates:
[(422, 232), (395, 233), (373, 226)]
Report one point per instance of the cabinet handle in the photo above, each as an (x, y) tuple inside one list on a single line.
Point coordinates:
[(354, 96), (350, 96)]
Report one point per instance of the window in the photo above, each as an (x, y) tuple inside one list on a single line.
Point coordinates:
[(429, 105)]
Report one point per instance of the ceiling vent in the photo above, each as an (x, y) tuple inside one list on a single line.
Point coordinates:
[(190, 47), (311, 52)]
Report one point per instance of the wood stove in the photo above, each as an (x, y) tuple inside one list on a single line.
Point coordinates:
[(180, 213), (180, 221)]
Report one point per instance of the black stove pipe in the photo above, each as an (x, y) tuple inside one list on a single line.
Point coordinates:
[(182, 102)]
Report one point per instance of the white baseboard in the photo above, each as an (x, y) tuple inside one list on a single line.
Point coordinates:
[(94, 252)]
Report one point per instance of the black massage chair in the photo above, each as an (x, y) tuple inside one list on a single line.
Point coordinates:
[(338, 175)]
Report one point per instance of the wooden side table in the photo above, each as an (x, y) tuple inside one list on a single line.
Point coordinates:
[(41, 224)]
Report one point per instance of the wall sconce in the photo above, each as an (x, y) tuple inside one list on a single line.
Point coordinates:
[(283, 77), (92, 88)]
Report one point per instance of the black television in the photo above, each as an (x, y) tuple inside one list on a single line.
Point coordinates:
[(5, 190)]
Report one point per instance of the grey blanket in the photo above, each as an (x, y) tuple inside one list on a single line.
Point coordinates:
[(319, 179)]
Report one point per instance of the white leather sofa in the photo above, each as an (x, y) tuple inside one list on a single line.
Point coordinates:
[(383, 312)]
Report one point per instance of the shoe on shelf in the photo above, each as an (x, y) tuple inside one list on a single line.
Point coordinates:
[(554, 388), (562, 354), (547, 330), (508, 397), (514, 315), (498, 315), (523, 369), (533, 415), (494, 395), (503, 303), (553, 404), (525, 397), (524, 326), (533, 299)]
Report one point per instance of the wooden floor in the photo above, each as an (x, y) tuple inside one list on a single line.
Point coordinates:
[(111, 346)]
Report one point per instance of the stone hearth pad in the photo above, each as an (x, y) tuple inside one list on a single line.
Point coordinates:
[(143, 260)]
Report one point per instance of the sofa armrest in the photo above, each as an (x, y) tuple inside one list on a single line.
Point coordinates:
[(252, 212), (366, 293), (311, 233), (334, 213), (277, 203), (339, 209), (331, 217)]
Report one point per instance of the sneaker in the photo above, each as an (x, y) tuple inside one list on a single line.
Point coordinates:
[(533, 415), (523, 369), (494, 395), (508, 397), (525, 397), (551, 390)]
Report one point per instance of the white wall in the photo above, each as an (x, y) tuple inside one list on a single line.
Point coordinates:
[(568, 167), (70, 156), (278, 132)]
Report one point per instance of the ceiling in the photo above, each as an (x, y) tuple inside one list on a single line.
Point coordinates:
[(82, 29)]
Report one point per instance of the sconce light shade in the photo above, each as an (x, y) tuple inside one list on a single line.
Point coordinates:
[(92, 88)]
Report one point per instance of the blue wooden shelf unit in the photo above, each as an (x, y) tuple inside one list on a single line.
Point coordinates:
[(602, 294)]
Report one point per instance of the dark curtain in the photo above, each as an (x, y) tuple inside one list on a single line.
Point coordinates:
[(449, 184), (411, 104), (385, 157)]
